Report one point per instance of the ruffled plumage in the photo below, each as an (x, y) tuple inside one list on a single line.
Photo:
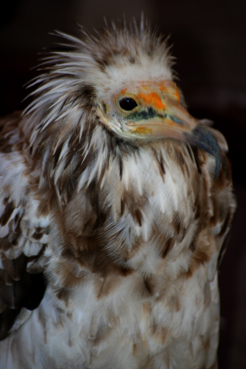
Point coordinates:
[(109, 246)]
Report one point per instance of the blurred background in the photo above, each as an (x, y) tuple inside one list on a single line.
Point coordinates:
[(209, 42)]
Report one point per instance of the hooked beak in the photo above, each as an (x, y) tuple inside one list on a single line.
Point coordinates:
[(175, 122)]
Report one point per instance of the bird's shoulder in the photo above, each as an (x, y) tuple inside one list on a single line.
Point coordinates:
[(23, 233)]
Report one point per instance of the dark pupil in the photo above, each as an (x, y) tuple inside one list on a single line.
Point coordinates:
[(127, 103)]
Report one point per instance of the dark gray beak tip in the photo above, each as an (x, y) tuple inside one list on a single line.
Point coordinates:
[(204, 139)]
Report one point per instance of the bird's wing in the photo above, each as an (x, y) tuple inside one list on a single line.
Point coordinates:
[(23, 235)]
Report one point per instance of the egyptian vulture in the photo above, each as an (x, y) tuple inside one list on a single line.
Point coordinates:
[(115, 204)]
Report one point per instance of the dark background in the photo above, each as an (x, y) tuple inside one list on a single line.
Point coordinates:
[(209, 39)]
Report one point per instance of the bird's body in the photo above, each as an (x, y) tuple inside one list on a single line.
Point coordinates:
[(125, 223)]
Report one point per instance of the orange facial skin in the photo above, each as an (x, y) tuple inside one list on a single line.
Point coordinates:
[(152, 94), (143, 130), (170, 88), (152, 99)]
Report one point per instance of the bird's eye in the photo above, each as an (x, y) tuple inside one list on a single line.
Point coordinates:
[(127, 103)]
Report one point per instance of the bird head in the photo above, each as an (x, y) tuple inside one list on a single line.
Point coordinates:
[(121, 79)]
